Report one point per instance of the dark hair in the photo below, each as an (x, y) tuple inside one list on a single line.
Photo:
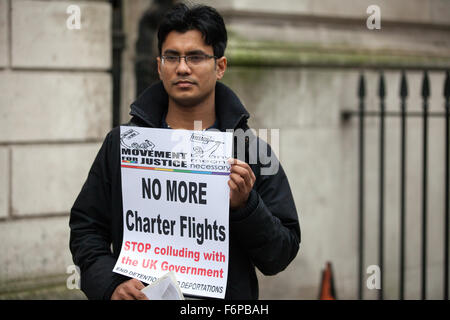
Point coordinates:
[(203, 18)]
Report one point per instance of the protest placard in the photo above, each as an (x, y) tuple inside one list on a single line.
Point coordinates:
[(175, 207)]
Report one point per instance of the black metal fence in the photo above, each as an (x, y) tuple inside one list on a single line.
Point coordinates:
[(118, 45), (403, 114)]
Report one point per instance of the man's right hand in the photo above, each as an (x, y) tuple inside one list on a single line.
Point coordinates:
[(129, 290)]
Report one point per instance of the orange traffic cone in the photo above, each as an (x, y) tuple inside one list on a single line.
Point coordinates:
[(327, 287)]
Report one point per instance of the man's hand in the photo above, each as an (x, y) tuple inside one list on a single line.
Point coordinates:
[(129, 290), (241, 183)]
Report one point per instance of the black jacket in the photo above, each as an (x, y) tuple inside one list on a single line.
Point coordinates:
[(265, 234)]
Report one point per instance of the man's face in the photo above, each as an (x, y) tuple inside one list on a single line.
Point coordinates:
[(189, 84)]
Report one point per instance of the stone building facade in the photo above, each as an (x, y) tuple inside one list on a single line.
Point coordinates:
[(295, 65)]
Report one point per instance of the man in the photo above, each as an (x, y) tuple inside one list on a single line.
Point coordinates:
[(264, 228)]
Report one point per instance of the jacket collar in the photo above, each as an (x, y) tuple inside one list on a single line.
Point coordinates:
[(151, 105)]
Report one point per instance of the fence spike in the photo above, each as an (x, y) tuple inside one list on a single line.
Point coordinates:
[(403, 86), (381, 86), (425, 85)]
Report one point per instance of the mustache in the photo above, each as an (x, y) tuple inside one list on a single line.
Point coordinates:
[(184, 80)]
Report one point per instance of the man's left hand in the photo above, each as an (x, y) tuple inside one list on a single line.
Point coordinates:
[(241, 183)]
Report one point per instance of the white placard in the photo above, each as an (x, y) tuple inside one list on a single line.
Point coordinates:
[(175, 207)]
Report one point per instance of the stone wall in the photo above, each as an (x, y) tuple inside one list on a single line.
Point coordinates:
[(55, 109), (295, 65)]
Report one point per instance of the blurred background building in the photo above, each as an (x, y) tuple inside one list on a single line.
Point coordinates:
[(296, 65)]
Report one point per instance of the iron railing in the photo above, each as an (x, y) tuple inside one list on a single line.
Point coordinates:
[(404, 114)]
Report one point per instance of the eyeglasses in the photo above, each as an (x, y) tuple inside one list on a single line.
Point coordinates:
[(191, 60)]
